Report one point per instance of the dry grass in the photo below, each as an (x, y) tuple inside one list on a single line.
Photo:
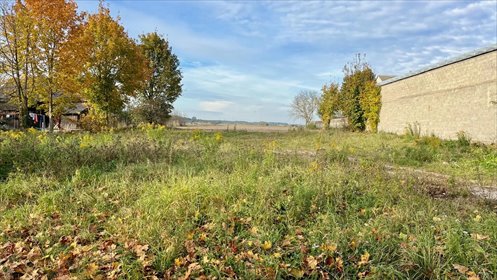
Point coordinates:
[(239, 127)]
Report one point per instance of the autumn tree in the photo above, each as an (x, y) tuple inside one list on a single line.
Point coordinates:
[(17, 56), (329, 103), (56, 22), (115, 68), (304, 105), (357, 75), (370, 100), (163, 84)]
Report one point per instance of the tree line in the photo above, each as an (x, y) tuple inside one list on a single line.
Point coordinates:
[(357, 98), (53, 57)]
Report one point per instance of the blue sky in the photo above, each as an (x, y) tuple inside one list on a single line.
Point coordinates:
[(246, 60)]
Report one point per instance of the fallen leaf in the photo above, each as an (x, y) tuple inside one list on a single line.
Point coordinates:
[(178, 261), (462, 269), (364, 259), (312, 262), (267, 245), (329, 247), (479, 237), (91, 269), (339, 263), (472, 276), (297, 273), (254, 230)]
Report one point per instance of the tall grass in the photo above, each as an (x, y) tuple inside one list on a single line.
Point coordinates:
[(173, 204)]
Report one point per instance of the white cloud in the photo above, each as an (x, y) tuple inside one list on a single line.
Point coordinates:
[(215, 106), (472, 7), (258, 54)]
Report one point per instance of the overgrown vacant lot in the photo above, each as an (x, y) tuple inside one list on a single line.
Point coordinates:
[(168, 204)]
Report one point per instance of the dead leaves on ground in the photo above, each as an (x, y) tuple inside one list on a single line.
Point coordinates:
[(28, 259), (256, 255), (43, 254), (242, 250)]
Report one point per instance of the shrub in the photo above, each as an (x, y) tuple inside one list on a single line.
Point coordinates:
[(59, 156), (463, 139), (432, 141), (312, 125), (413, 130), (94, 121), (419, 154)]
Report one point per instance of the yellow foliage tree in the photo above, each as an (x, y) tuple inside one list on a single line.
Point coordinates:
[(114, 67), (56, 23), (17, 37), (370, 99), (329, 103)]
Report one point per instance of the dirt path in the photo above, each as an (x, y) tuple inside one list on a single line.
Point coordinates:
[(437, 183), (474, 187)]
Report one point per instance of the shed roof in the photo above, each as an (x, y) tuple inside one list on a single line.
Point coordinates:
[(3, 98), (77, 109), (443, 63)]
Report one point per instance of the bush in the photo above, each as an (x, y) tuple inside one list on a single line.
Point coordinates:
[(93, 122), (432, 141), (59, 156), (413, 130), (312, 125), (419, 154), (463, 139)]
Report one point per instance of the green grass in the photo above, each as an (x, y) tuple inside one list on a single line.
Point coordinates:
[(162, 203)]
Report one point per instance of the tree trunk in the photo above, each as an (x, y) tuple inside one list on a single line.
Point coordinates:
[(50, 114), (23, 113)]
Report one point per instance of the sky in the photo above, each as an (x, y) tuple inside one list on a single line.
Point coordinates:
[(246, 60)]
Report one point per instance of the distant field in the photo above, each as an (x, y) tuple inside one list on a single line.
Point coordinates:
[(171, 204), (239, 127)]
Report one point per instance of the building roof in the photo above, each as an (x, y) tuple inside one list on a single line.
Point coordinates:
[(443, 63), (3, 98), (384, 77), (77, 109), (7, 107)]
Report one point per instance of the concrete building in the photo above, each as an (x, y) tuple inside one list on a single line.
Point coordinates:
[(455, 95)]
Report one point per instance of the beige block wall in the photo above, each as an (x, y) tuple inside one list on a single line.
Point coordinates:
[(457, 97)]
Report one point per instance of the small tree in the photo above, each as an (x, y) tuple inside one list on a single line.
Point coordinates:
[(115, 68), (163, 84), (357, 75), (329, 103), (304, 105), (370, 100)]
